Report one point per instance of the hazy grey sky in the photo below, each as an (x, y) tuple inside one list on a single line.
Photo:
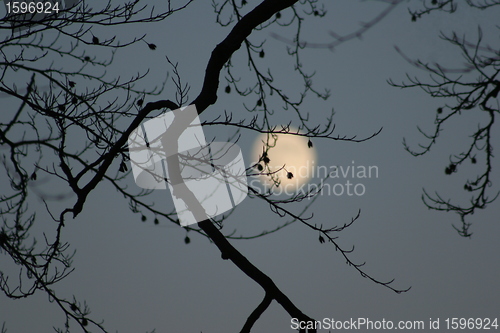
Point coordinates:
[(138, 276)]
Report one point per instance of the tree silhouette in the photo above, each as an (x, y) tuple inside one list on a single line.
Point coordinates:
[(42, 138), (471, 87)]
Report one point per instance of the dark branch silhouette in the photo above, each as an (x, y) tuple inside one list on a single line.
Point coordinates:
[(471, 88), (38, 146)]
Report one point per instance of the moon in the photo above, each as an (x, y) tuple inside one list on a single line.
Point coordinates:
[(291, 159)]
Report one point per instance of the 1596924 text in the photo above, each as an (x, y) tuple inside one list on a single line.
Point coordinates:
[(23, 7)]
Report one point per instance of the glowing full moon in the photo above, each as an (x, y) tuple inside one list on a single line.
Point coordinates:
[(290, 159)]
